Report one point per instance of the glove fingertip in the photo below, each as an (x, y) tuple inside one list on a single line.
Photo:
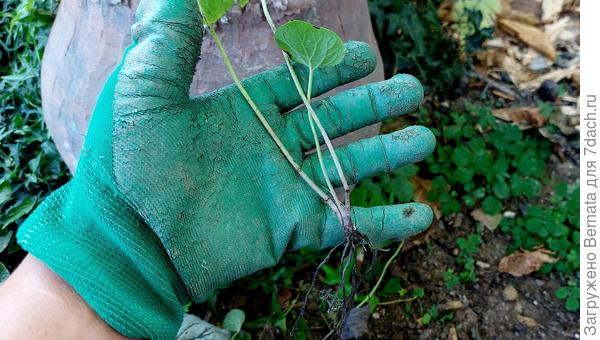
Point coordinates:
[(360, 60)]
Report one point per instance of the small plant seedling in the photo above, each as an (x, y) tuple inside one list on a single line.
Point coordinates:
[(468, 247), (312, 47), (571, 296), (233, 322)]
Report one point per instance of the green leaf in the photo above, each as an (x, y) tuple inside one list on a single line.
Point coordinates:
[(426, 319), (243, 335), (281, 324), (418, 293), (234, 320), (403, 189), (463, 175), (5, 192), (213, 10), (332, 276), (4, 240), (488, 8), (491, 205), (243, 3), (501, 189), (536, 225), (358, 196), (572, 303), (3, 272), (19, 210), (562, 293), (531, 187), (392, 287), (373, 302), (462, 156), (311, 46), (481, 159)]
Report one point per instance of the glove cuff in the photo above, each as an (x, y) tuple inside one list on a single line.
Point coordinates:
[(103, 249)]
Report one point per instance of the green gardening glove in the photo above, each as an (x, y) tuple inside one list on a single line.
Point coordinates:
[(174, 197)]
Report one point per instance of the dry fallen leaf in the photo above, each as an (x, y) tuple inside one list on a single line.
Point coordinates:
[(576, 78), (551, 9), (490, 57), (524, 117), (356, 323), (527, 321), (522, 263), (563, 30), (566, 120), (452, 305), (422, 187), (556, 75), (452, 334), (489, 221), (517, 72), (284, 295), (530, 35)]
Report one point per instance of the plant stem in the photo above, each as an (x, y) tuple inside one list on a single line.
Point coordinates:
[(380, 279), (264, 122), (385, 303), (346, 209), (318, 149)]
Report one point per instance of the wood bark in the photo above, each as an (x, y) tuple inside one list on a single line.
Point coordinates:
[(89, 36)]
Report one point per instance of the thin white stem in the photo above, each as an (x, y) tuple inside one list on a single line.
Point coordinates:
[(318, 149), (314, 116), (265, 123)]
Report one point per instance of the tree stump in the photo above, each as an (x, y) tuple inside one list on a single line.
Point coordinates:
[(89, 36)]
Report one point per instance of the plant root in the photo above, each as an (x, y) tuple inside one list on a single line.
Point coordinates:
[(342, 301)]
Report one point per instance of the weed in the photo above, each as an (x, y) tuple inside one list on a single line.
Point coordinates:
[(570, 294), (467, 247), (554, 225), (433, 315), (481, 161)]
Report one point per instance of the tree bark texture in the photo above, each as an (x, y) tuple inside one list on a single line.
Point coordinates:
[(89, 36)]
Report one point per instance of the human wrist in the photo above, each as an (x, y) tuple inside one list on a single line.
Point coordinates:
[(37, 299)]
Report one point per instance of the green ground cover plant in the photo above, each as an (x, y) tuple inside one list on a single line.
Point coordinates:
[(482, 162), (30, 166), (465, 261)]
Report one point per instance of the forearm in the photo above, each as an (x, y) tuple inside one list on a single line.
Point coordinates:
[(35, 303)]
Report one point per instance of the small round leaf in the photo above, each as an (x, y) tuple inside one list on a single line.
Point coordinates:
[(311, 46), (234, 320)]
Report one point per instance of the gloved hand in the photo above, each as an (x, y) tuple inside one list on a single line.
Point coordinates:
[(174, 197)]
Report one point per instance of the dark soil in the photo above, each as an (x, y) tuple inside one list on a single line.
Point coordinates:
[(485, 313)]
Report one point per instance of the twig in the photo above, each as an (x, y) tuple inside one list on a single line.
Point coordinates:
[(385, 303), (495, 84)]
